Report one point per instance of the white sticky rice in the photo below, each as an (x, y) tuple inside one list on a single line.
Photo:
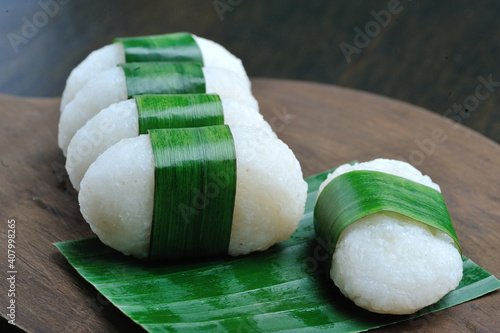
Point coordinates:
[(388, 263), (116, 195), (107, 57), (120, 121), (110, 87)]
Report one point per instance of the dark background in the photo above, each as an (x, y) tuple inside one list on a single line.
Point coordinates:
[(431, 54)]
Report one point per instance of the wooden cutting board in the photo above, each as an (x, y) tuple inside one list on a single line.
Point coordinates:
[(324, 125)]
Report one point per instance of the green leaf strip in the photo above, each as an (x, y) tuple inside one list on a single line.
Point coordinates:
[(356, 194), (179, 46), (195, 186), (163, 78), (174, 111)]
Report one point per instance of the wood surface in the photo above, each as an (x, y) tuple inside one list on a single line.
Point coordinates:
[(325, 126)]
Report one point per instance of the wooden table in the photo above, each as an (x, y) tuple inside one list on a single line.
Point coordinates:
[(324, 125)]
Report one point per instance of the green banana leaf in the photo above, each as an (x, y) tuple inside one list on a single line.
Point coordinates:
[(283, 288)]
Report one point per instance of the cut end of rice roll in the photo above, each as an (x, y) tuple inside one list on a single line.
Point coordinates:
[(116, 195), (95, 63), (100, 92), (227, 84), (389, 263), (215, 55), (108, 127), (270, 191)]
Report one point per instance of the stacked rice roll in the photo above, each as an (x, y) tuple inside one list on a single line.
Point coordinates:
[(122, 120), (173, 159), (180, 46), (394, 246), (130, 79), (117, 196)]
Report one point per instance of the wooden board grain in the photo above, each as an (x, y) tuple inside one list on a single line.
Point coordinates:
[(324, 125)]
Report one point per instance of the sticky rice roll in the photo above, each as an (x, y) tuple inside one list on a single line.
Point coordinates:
[(111, 87), (116, 195), (389, 263), (120, 121), (107, 57)]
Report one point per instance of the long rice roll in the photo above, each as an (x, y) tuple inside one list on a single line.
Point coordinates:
[(121, 120), (117, 193), (113, 86), (167, 47), (387, 261)]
